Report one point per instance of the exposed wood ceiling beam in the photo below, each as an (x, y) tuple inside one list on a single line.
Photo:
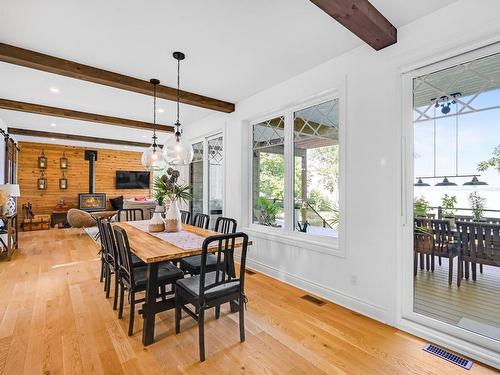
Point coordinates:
[(56, 65), (73, 137), (77, 115), (362, 19)]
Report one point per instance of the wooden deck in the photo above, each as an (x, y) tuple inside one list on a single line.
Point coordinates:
[(476, 300), (54, 319)]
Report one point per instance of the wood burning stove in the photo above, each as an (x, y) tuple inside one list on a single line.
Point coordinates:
[(91, 201)]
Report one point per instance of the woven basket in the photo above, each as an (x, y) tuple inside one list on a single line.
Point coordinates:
[(156, 227)]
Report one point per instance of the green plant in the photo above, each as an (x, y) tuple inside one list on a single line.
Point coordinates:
[(448, 203), (420, 207), (166, 186), (268, 211), (493, 162), (477, 203)]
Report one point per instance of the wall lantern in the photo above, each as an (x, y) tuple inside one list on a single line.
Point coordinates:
[(42, 161), (42, 182), (63, 161), (63, 182)]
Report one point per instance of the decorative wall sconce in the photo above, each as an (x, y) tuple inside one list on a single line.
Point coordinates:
[(63, 182), (42, 182), (42, 161), (63, 161)]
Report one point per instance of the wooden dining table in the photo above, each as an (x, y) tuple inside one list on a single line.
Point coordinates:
[(153, 250)]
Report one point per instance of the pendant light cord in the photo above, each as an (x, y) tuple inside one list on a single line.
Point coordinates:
[(434, 141), (178, 94), (154, 113)]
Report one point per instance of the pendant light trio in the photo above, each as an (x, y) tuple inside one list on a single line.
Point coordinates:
[(176, 150)]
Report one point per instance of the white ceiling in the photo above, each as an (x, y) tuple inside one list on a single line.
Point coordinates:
[(234, 49)]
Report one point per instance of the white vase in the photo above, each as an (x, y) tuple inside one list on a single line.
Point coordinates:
[(173, 222), (156, 223)]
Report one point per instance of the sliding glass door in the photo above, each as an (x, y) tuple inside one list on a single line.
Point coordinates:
[(456, 196)]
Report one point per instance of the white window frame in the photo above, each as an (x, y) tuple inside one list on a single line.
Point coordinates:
[(467, 342), (323, 244), (206, 188)]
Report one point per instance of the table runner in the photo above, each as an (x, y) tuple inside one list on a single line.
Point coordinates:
[(183, 239)]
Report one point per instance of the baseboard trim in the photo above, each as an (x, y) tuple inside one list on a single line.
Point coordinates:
[(361, 307)]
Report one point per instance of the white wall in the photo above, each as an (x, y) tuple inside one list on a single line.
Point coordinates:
[(373, 139)]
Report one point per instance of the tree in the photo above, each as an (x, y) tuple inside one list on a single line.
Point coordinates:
[(272, 175), (493, 162), (326, 165)]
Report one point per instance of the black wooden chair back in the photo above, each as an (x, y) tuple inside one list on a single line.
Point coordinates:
[(110, 244), (463, 218), (443, 236), (224, 243), (480, 242), (185, 217), (225, 225), (201, 221), (101, 234), (492, 220), (130, 214), (423, 239), (126, 272)]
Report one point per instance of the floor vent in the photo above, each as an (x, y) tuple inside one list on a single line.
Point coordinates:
[(313, 299), (450, 357), (250, 272)]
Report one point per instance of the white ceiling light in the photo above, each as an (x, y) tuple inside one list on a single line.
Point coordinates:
[(54, 90), (177, 151), (161, 110), (53, 124)]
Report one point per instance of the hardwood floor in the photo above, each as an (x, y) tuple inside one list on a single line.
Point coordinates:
[(55, 320)]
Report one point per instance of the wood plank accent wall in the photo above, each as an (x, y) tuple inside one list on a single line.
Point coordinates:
[(109, 161)]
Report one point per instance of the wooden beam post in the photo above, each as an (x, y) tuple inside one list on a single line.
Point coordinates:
[(362, 19), (39, 109), (74, 137), (56, 65)]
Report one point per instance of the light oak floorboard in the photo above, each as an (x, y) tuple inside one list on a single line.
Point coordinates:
[(56, 320)]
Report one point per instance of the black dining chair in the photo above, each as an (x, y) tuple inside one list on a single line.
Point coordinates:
[(185, 216), (445, 245), (134, 279), (191, 265), (113, 259), (201, 221), (130, 214), (212, 289)]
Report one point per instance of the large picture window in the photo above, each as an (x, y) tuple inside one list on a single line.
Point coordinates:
[(295, 170)]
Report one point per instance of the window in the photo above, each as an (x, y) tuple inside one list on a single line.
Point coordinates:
[(305, 164), (206, 175)]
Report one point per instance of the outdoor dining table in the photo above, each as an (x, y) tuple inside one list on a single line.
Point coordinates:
[(154, 248)]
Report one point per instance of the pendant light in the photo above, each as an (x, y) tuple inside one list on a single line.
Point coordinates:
[(445, 182), (420, 183), (475, 182), (177, 151), (153, 158)]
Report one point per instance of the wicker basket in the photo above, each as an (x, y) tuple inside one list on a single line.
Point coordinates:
[(153, 228)]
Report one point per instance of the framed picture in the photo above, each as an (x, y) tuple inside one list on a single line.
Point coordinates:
[(63, 162)]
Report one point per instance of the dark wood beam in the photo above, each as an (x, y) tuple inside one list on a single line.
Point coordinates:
[(56, 65), (362, 19), (73, 137), (39, 109)]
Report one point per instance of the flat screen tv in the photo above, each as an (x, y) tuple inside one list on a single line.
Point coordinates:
[(132, 180)]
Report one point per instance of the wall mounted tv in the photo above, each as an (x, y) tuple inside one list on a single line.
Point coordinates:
[(132, 180)]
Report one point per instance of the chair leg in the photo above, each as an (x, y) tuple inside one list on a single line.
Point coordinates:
[(217, 312), (481, 268), (439, 260), (101, 277), (432, 263), (132, 313), (242, 319), (122, 297), (474, 271), (450, 270), (415, 263), (466, 265), (115, 296), (201, 332), (427, 262), (106, 270), (108, 283), (178, 313), (163, 291), (421, 261), (459, 271)]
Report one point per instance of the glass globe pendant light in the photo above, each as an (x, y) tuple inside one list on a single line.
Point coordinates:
[(153, 158), (177, 151)]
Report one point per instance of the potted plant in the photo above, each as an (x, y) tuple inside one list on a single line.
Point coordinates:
[(420, 207), (266, 211), (448, 204), (176, 193), (477, 203)]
